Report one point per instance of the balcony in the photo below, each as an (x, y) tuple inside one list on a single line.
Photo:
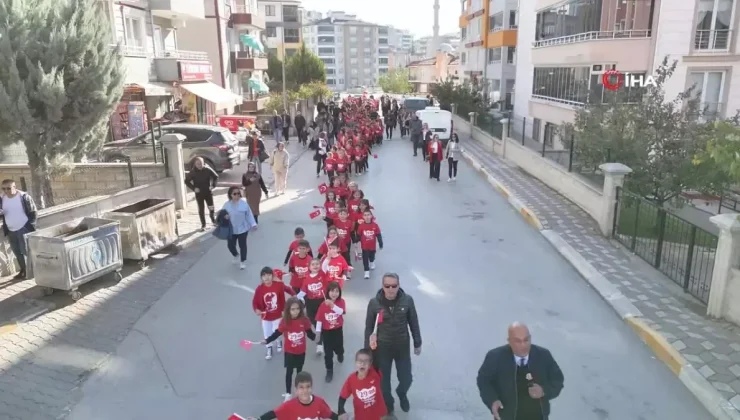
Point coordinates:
[(501, 38), (292, 39), (627, 49), (254, 102), (244, 61), (712, 41), (182, 66), (244, 17), (136, 63), (178, 9)]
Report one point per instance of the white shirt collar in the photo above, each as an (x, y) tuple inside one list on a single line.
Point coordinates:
[(518, 360)]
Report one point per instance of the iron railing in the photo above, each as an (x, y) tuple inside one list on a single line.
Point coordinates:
[(592, 36), (131, 50), (183, 55), (681, 250), (712, 40), (730, 199)]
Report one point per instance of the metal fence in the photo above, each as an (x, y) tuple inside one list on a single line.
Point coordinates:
[(679, 249)]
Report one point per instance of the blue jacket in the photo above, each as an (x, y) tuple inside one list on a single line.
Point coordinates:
[(240, 216), (223, 227)]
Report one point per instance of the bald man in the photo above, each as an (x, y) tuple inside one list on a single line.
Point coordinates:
[(517, 380)]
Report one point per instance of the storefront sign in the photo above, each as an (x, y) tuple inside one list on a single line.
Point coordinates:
[(194, 70)]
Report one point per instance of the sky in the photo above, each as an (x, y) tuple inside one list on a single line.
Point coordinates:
[(415, 15)]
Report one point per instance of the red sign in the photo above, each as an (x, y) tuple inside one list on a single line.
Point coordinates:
[(191, 71), (232, 122)]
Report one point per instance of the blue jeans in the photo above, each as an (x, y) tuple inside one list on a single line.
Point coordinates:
[(18, 245)]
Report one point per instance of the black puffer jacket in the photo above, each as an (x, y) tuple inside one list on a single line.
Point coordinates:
[(399, 317)]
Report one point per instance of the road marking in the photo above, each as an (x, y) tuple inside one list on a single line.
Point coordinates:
[(236, 285), (426, 285)]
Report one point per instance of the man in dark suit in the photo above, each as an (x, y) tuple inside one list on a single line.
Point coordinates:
[(426, 134), (286, 127), (517, 381)]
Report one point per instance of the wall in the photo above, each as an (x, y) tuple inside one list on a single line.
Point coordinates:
[(201, 35), (524, 69), (89, 179), (732, 296), (97, 206)]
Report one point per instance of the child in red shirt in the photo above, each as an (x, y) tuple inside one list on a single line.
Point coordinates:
[(313, 290), (357, 159), (364, 388), (330, 165), (294, 327), (331, 234), (304, 406), (370, 238), (298, 266), (268, 303), (330, 207), (340, 190), (334, 264), (342, 161), (353, 205), (345, 228), (329, 323), (299, 234)]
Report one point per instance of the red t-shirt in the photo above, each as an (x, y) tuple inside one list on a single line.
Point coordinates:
[(329, 164), (294, 409), (314, 286), (357, 153), (353, 205), (344, 229), (367, 398), (298, 268), (336, 268), (324, 248), (342, 163), (341, 191), (293, 247), (295, 335), (359, 217), (271, 299), (329, 319), (368, 233), (331, 209)]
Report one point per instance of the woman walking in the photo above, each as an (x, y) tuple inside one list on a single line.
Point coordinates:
[(320, 156), (434, 154), (254, 186), (279, 162), (453, 152), (240, 216)]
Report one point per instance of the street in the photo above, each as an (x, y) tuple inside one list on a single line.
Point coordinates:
[(471, 263)]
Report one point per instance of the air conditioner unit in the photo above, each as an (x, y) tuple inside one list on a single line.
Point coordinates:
[(601, 68)]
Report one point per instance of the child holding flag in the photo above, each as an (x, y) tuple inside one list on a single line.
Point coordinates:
[(268, 303)]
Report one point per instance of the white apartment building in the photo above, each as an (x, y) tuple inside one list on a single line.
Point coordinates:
[(283, 20), (355, 53), (420, 46), (564, 50), (400, 39)]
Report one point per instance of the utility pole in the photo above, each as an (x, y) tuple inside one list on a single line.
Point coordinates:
[(285, 89)]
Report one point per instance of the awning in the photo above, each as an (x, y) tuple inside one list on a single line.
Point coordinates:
[(157, 89), (213, 93)]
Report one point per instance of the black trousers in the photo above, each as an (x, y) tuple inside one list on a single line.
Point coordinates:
[(286, 133), (386, 355), (452, 166), (331, 175), (205, 198), (367, 257), (388, 131), (416, 142), (241, 239), (423, 145), (302, 138), (333, 341), (348, 256), (312, 307), (434, 166), (320, 163), (293, 363)]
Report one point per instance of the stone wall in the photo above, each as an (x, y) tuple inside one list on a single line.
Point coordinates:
[(88, 179)]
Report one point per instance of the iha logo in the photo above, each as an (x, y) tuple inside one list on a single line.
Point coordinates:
[(614, 80)]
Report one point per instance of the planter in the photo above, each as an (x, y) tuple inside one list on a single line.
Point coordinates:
[(146, 227)]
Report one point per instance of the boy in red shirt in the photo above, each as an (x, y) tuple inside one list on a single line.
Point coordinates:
[(304, 406), (369, 233), (364, 388), (298, 267), (329, 323), (358, 160), (330, 166), (342, 161), (299, 234), (345, 227), (334, 265), (268, 303)]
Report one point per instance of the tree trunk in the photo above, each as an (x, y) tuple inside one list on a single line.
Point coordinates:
[(40, 182)]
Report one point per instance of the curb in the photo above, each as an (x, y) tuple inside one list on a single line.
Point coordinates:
[(709, 397), (528, 215)]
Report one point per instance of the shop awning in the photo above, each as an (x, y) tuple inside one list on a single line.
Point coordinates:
[(157, 89), (213, 93)]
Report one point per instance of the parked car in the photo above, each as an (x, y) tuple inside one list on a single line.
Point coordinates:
[(218, 147)]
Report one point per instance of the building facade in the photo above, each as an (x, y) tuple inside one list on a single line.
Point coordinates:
[(424, 74), (283, 26), (566, 49), (355, 53), (420, 46), (489, 31)]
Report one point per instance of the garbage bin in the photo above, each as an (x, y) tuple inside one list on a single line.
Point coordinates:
[(146, 227), (68, 255)]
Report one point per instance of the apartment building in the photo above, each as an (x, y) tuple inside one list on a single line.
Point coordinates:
[(424, 74), (283, 26), (566, 47), (355, 53), (420, 46), (489, 39), (400, 39)]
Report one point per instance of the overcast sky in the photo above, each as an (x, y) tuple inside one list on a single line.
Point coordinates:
[(414, 15)]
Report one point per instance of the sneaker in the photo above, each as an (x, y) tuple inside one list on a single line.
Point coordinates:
[(449, 179), (319, 350), (280, 346), (372, 266), (202, 228), (403, 401), (237, 260), (340, 358), (268, 354), (329, 375), (287, 397), (367, 274), (242, 265)]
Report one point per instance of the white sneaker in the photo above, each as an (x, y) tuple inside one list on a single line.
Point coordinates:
[(242, 265), (367, 274), (280, 346), (268, 355), (449, 179), (372, 266), (319, 349), (454, 178), (287, 397), (237, 260)]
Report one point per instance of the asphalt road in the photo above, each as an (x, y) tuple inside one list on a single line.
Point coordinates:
[(471, 263)]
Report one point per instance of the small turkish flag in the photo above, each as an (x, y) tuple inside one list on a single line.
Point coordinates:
[(246, 344), (314, 214), (278, 273), (323, 188), (236, 417), (380, 317), (375, 156)]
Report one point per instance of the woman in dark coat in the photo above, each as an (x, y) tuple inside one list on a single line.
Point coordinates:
[(254, 186)]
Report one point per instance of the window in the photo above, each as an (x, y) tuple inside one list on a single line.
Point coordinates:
[(495, 85), (134, 32), (353, 71), (353, 30), (271, 32), (326, 51), (382, 30), (366, 50), (353, 40), (709, 89), (494, 55), (536, 126), (496, 22), (633, 18), (549, 137), (510, 83), (292, 36), (366, 61), (383, 41), (562, 84), (272, 51), (326, 29), (328, 61), (463, 58), (463, 33), (511, 55), (330, 72), (269, 10), (326, 40), (383, 60), (290, 13), (383, 71), (341, 81), (331, 82), (366, 29), (383, 51), (512, 19), (353, 51), (353, 61), (366, 70), (713, 24), (289, 52)]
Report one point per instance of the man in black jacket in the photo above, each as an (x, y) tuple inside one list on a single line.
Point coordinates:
[(286, 127), (390, 316), (300, 124), (19, 214), (518, 380), (202, 181)]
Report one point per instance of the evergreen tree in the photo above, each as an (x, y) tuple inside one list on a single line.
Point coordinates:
[(304, 67), (396, 81), (59, 82)]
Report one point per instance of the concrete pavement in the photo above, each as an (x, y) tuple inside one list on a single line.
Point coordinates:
[(473, 266)]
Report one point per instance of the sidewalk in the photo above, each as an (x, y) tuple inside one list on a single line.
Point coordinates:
[(711, 347)]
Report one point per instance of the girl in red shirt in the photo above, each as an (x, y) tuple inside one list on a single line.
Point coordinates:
[(313, 290), (364, 388), (370, 238), (329, 323), (345, 227), (330, 165), (331, 235), (358, 161), (340, 190), (342, 161), (294, 327), (269, 303), (330, 207)]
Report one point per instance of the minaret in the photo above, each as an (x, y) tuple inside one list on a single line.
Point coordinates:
[(432, 49)]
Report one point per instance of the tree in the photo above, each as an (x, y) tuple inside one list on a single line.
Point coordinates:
[(657, 138), (304, 67), (315, 91), (59, 82), (275, 103), (467, 96), (396, 81), (274, 73), (723, 151)]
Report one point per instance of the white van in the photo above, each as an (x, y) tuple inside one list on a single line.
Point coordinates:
[(438, 120)]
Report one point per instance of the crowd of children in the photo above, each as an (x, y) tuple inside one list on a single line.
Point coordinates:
[(315, 308)]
